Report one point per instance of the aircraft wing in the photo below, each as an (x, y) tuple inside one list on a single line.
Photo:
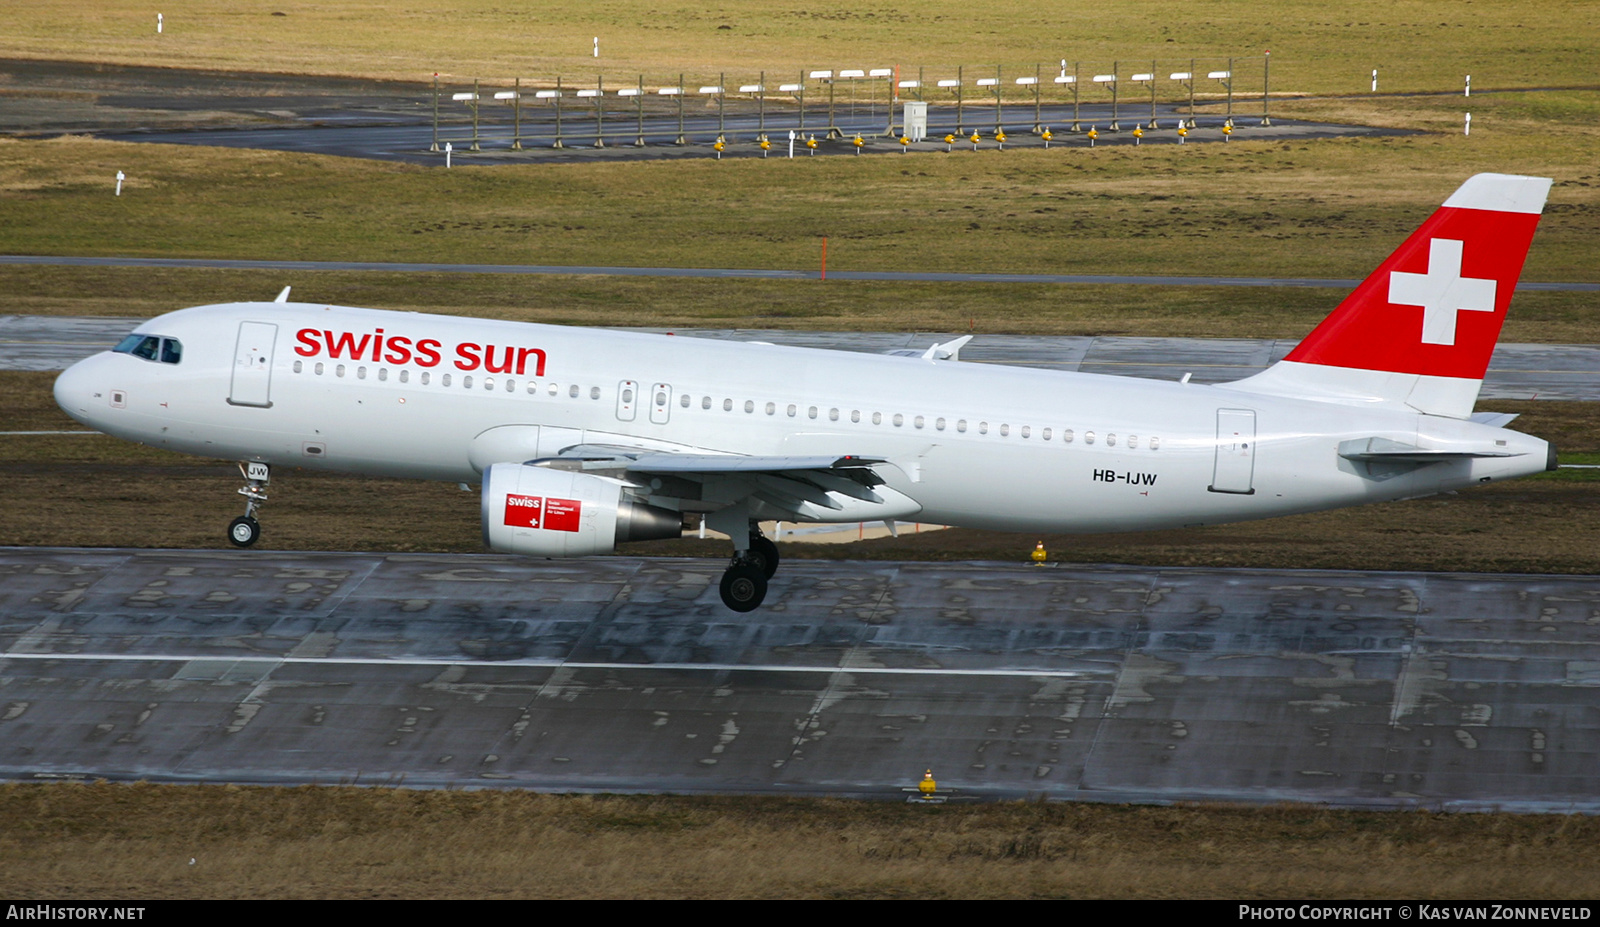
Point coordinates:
[(802, 488)]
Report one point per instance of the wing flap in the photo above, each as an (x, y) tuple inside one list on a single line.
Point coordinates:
[(732, 463)]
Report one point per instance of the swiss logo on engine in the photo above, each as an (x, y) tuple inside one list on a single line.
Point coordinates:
[(539, 512), (524, 511)]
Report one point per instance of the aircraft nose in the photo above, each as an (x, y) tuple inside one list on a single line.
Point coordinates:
[(76, 389)]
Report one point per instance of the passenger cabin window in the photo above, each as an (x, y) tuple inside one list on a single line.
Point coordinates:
[(151, 348)]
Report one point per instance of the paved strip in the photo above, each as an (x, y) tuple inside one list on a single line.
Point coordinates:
[(889, 276), (412, 661), (1075, 682)]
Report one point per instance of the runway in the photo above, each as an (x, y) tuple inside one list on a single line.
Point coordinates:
[(1516, 371), (1105, 683)]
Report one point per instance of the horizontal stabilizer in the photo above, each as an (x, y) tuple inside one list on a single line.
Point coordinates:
[(1386, 450), (1493, 419)]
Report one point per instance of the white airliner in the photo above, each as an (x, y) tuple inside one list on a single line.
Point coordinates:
[(583, 439)]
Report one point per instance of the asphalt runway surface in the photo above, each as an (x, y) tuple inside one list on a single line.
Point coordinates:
[(1109, 683), (1516, 371), (620, 138)]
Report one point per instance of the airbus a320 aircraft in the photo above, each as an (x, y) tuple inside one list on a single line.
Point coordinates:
[(583, 439)]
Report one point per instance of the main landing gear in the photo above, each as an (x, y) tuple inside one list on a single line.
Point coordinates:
[(744, 583), (245, 530)]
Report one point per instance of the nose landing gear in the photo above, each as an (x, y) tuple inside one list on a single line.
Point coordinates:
[(245, 530)]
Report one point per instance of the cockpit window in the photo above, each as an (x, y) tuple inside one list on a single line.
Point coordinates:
[(151, 347)]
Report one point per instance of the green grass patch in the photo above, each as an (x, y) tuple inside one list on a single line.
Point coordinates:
[(1416, 44), (1329, 208)]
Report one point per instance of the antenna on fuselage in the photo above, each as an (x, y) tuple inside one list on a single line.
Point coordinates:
[(283, 297)]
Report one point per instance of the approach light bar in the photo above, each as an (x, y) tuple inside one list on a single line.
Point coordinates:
[(628, 92), (821, 75), (791, 88), (988, 81), (907, 84), (546, 94), (463, 96), (588, 93), (669, 91), (1142, 78), (1027, 80), (853, 72), (711, 90), (1105, 78), (505, 95), (881, 72), (1220, 75), (1067, 79), (1180, 75), (949, 83), (750, 88)]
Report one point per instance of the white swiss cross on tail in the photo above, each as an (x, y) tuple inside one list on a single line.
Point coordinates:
[(1441, 292), (1460, 268)]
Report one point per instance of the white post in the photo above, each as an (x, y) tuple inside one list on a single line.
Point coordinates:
[(447, 149), (1469, 86), (1468, 129), (1374, 80), (597, 46), (120, 177), (158, 24), (791, 143)]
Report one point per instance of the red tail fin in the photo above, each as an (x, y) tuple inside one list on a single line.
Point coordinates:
[(1426, 321)]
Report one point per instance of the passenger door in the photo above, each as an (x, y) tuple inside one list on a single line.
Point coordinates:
[(252, 365), (1234, 470)]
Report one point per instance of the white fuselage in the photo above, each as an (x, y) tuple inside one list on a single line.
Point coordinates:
[(969, 444)]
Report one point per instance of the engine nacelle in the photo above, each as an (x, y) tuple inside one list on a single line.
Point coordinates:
[(560, 513)]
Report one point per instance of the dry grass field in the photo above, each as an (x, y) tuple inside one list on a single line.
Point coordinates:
[(138, 842), (1416, 44)]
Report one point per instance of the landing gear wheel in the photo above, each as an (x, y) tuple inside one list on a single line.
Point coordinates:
[(765, 552), (244, 531), (744, 585)]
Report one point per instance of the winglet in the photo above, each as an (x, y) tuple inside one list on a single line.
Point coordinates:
[(950, 350), (283, 297)]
